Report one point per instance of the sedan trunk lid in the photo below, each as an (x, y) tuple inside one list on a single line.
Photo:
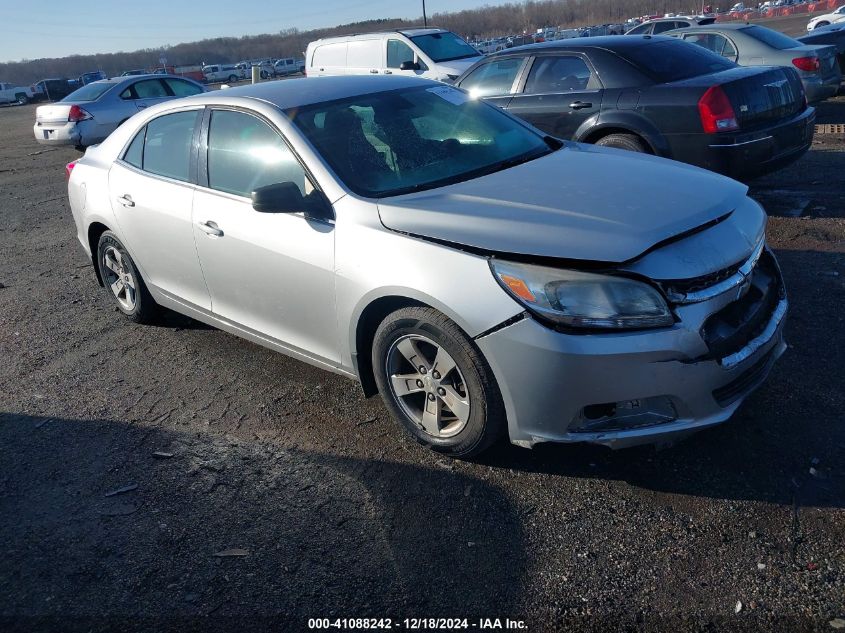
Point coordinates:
[(609, 206)]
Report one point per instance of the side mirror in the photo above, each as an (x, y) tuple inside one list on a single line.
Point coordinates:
[(285, 197), (409, 66)]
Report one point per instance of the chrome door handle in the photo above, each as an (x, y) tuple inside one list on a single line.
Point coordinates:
[(210, 228), (141, 106), (578, 105), (373, 71), (126, 200), (388, 72)]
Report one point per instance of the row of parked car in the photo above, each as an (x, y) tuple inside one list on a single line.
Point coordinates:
[(732, 98)]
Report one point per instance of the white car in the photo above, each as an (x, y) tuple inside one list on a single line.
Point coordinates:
[(429, 53), (222, 72), (828, 18), (12, 93)]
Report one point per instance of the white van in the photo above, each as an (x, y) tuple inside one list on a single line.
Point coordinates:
[(431, 53)]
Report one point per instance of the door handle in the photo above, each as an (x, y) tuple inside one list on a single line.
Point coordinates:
[(210, 228), (126, 200), (373, 71), (388, 72), (579, 105), (141, 106)]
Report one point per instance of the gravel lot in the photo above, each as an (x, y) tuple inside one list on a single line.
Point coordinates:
[(339, 515)]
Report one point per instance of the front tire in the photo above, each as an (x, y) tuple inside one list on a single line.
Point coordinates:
[(233, 79), (629, 142), (435, 381), (22, 99), (820, 24), (123, 282)]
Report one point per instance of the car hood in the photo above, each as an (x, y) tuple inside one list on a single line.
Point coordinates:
[(581, 202)]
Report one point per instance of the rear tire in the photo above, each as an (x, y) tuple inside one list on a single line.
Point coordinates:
[(629, 142), (22, 99), (233, 79), (123, 282), (459, 412)]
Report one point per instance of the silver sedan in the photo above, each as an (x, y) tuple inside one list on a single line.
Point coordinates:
[(755, 45), (88, 115), (486, 279)]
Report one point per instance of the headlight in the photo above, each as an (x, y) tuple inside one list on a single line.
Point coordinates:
[(583, 300)]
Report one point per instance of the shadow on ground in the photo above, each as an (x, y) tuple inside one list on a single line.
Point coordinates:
[(324, 536)]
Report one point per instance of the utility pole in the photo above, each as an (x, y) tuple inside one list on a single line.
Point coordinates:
[(425, 19)]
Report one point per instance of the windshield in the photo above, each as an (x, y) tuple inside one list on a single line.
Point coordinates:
[(91, 92), (389, 143), (771, 38), (673, 60), (444, 47)]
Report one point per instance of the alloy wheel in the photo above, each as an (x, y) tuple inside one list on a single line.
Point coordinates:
[(428, 385), (119, 278)]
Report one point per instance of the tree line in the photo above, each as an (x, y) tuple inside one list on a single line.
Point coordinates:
[(483, 22)]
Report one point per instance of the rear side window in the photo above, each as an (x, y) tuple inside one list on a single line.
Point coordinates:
[(719, 44), (183, 88), (244, 154), (674, 60), (134, 154), (167, 145), (493, 78), (150, 89), (557, 74), (662, 27), (642, 29)]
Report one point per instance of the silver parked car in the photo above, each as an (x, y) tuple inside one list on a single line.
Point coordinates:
[(755, 45), (487, 279), (88, 115)]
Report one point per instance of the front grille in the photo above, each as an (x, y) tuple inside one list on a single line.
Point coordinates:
[(695, 284), (742, 383), (732, 327)]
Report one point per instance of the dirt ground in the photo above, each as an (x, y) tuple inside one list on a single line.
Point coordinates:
[(321, 507)]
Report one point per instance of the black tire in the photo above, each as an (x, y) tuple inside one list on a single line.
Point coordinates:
[(145, 309), (630, 142), (22, 99), (820, 24), (486, 421), (233, 79), (264, 74)]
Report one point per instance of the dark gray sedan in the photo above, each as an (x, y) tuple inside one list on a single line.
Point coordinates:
[(755, 45), (88, 115)]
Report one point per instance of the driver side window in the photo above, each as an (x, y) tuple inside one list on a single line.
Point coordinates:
[(244, 154), (398, 52)]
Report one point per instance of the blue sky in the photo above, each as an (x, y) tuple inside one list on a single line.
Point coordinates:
[(55, 28)]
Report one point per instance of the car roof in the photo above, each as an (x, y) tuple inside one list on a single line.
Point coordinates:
[(717, 27), (294, 93), (413, 32), (607, 42)]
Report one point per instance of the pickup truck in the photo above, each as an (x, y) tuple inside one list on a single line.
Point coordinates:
[(10, 93), (288, 66), (215, 73)]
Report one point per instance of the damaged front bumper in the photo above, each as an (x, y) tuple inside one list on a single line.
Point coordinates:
[(627, 388)]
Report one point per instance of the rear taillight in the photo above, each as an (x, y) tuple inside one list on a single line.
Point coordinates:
[(808, 64), (69, 168), (717, 113), (78, 114)]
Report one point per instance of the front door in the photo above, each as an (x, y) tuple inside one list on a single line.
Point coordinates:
[(152, 198), (272, 273), (559, 94), (495, 80)]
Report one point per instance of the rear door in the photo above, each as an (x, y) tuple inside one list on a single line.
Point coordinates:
[(365, 57), (152, 193), (559, 93), (146, 92)]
